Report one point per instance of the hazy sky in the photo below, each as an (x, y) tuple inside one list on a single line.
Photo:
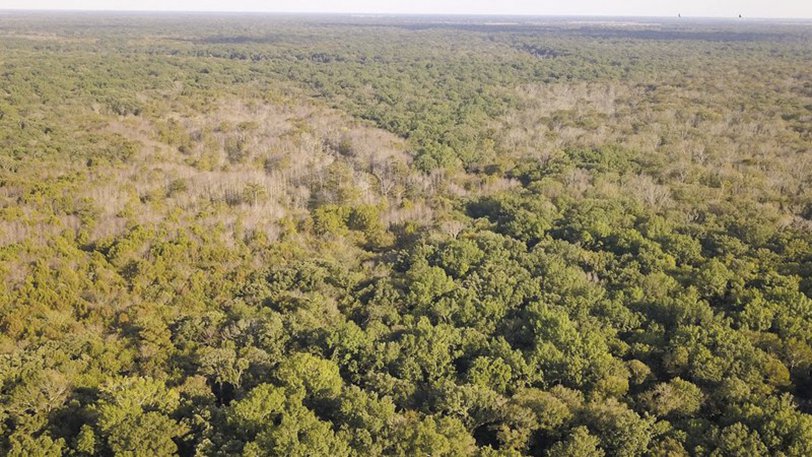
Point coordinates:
[(723, 8)]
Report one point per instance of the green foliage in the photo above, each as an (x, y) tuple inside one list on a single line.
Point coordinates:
[(273, 421), (317, 377), (393, 237), (429, 436), (579, 444), (676, 397), (134, 417)]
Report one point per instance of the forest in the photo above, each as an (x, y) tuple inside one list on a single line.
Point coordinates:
[(281, 235)]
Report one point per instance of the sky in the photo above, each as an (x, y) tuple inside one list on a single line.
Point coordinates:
[(687, 8)]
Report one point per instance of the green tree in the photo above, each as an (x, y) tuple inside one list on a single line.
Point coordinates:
[(676, 397), (579, 443), (134, 417), (440, 437)]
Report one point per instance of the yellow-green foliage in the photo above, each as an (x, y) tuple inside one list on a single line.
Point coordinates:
[(259, 236)]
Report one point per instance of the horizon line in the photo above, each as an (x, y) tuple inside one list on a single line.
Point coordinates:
[(395, 14)]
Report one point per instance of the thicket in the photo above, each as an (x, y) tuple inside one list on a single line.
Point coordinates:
[(251, 235)]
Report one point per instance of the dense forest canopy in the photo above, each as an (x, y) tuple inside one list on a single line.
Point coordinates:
[(257, 235)]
